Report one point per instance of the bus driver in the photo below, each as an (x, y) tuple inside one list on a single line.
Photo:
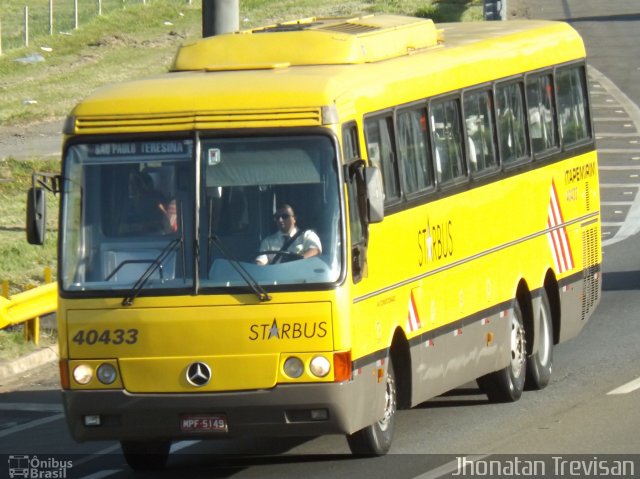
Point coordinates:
[(288, 242)]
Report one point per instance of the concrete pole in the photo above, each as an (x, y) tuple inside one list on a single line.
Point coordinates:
[(495, 9), (220, 16)]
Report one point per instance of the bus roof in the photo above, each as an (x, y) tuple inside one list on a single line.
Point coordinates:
[(284, 74)]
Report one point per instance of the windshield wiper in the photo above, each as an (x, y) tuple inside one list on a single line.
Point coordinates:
[(152, 268), (258, 290)]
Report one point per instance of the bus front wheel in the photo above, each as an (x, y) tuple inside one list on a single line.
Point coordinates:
[(146, 455), (506, 385), (375, 440)]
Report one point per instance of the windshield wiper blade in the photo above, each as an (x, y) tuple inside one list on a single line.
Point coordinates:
[(152, 268), (258, 290)]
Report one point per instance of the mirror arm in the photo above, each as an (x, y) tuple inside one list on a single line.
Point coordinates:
[(49, 181)]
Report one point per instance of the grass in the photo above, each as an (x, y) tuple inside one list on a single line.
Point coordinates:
[(13, 343), (142, 39), (121, 44), (22, 264)]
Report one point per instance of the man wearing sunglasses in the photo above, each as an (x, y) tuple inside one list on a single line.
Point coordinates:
[(288, 243)]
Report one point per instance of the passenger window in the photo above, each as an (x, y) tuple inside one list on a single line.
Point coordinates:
[(478, 116), (572, 105), (542, 119), (380, 146), (511, 123), (447, 140), (413, 150)]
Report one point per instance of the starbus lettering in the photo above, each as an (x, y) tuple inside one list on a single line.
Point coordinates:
[(274, 330), (435, 242)]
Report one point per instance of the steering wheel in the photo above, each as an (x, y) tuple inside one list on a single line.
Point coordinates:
[(285, 256)]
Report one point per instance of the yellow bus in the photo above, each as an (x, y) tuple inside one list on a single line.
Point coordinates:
[(304, 227)]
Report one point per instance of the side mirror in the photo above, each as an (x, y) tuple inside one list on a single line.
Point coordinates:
[(36, 215), (375, 194)]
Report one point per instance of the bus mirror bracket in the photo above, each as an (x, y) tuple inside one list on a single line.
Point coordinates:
[(375, 194), (37, 205)]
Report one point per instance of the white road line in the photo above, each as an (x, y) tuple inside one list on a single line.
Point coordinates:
[(627, 388), (619, 185), (96, 455), (608, 119), (30, 424), (37, 407), (101, 474), (603, 135), (619, 167), (449, 467), (621, 151)]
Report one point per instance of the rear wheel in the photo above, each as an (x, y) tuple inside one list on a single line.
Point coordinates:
[(539, 365), (375, 440), (506, 385), (146, 455)]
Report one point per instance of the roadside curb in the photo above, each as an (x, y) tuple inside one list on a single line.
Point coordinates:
[(9, 369)]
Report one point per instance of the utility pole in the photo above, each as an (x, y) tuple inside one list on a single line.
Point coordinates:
[(495, 9), (220, 16)]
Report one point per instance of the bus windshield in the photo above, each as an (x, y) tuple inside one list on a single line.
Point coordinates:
[(129, 214), (246, 184)]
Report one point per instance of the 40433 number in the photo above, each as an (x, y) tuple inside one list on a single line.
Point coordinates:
[(108, 336)]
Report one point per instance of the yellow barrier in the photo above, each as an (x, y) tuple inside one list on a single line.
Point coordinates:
[(27, 307)]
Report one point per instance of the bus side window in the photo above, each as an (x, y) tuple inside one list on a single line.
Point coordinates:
[(447, 140), (542, 118), (512, 133), (380, 146), (572, 105), (478, 116), (413, 150)]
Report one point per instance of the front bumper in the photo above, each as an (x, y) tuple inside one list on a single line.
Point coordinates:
[(281, 411)]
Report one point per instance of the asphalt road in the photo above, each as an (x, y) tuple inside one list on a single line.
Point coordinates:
[(590, 410)]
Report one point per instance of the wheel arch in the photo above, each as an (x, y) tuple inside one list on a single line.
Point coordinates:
[(525, 300), (401, 356), (553, 294)]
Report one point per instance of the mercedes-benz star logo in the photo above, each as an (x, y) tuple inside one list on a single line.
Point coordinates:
[(198, 374)]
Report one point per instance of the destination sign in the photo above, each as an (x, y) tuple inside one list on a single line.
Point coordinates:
[(147, 149)]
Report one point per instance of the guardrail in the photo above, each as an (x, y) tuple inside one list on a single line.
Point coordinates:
[(27, 307)]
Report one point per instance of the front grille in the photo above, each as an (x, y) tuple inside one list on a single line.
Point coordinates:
[(203, 121)]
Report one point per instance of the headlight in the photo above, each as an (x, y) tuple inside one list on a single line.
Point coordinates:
[(83, 374), (293, 367), (106, 373), (320, 366)]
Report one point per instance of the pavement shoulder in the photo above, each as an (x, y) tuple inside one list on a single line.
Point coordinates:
[(12, 368)]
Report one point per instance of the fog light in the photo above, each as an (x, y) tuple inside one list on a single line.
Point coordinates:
[(293, 367), (83, 374), (92, 420), (319, 414), (320, 366), (106, 373)]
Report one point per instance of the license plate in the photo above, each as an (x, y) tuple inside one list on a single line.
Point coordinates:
[(204, 423)]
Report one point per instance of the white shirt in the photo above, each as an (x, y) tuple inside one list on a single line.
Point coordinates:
[(303, 243)]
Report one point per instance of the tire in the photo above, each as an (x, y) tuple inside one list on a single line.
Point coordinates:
[(506, 385), (540, 364), (146, 455), (375, 440)]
